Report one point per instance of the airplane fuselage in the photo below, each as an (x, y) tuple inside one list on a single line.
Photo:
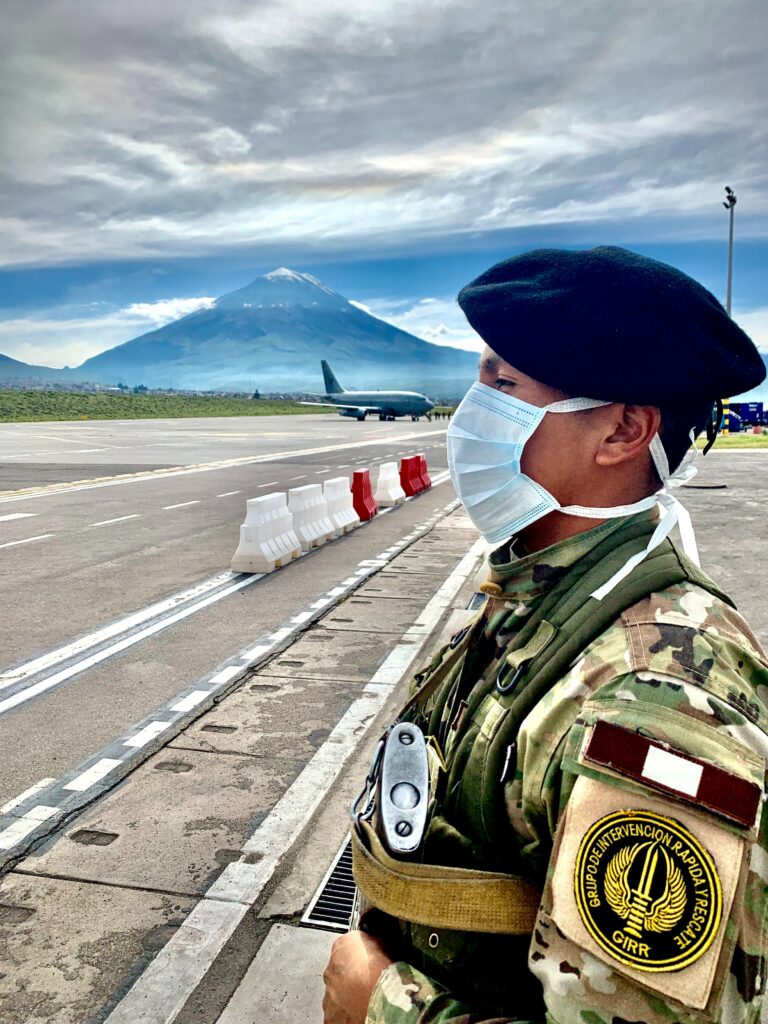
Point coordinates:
[(388, 403)]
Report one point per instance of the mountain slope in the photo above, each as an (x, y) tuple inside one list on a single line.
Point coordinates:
[(271, 335), (14, 368)]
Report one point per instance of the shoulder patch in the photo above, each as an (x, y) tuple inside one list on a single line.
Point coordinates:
[(647, 891), (649, 888)]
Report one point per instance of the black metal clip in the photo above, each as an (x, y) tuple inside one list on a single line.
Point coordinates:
[(514, 680)]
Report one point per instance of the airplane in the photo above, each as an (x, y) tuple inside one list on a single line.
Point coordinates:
[(388, 404)]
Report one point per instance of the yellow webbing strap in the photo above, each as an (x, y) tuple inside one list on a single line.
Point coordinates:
[(457, 898)]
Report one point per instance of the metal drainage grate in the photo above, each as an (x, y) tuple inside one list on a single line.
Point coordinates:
[(331, 906)]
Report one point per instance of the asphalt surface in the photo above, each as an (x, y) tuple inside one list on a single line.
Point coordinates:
[(83, 556)]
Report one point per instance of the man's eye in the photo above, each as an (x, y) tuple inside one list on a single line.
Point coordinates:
[(501, 382)]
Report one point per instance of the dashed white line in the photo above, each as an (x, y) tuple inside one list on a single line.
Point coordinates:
[(92, 775), (17, 515), (146, 734), (181, 504), (269, 483), (120, 519), (7, 808), (302, 476), (190, 701), (226, 674), (227, 494), (20, 829), (27, 540)]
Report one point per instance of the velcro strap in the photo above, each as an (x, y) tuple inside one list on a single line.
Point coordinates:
[(461, 899), (545, 632)]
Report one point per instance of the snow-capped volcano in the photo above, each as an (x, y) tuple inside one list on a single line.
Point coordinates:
[(271, 335)]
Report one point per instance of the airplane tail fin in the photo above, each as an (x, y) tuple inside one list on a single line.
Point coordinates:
[(332, 386)]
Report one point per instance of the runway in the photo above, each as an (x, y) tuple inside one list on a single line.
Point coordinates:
[(120, 534)]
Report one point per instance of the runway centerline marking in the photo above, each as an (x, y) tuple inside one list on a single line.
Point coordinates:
[(227, 494), (18, 515), (181, 504), (120, 519), (27, 540)]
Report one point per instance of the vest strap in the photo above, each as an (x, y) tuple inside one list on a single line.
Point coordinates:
[(460, 899)]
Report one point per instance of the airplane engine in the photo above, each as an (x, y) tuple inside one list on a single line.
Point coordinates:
[(352, 412)]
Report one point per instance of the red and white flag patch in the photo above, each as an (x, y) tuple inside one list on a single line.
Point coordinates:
[(658, 765)]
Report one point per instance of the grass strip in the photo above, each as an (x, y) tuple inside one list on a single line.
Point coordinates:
[(39, 406)]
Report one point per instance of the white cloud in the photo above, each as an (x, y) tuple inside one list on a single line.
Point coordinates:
[(49, 341), (166, 310), (755, 323), (384, 122), (437, 320)]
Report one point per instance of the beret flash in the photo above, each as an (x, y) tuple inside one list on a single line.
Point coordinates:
[(611, 324)]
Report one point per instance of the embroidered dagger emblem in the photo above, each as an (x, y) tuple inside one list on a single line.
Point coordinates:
[(657, 900)]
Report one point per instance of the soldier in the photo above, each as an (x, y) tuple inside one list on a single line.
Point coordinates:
[(595, 849)]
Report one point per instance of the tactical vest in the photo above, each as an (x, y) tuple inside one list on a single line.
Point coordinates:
[(467, 901)]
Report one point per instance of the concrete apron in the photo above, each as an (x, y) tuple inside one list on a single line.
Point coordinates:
[(81, 919)]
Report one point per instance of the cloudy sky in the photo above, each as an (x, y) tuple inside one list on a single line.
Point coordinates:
[(156, 155)]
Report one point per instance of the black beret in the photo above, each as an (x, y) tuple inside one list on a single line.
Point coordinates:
[(611, 324)]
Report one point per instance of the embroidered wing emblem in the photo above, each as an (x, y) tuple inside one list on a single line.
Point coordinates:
[(617, 891), (667, 910)]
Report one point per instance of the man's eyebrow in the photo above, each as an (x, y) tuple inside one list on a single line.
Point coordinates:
[(488, 363)]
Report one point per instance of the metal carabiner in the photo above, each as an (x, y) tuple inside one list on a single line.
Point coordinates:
[(368, 792), (508, 687)]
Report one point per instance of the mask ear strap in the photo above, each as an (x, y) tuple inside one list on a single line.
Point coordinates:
[(713, 424)]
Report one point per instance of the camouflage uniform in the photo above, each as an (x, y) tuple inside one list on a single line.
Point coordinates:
[(682, 668)]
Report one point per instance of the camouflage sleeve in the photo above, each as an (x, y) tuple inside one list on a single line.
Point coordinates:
[(404, 995)]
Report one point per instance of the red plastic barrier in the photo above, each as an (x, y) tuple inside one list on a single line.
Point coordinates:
[(410, 476), (426, 479), (362, 495)]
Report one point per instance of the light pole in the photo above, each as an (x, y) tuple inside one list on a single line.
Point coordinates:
[(729, 204)]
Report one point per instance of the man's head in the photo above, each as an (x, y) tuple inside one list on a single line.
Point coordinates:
[(613, 325)]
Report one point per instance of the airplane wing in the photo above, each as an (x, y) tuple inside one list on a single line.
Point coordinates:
[(339, 405)]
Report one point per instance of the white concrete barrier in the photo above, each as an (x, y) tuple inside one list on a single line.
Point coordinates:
[(310, 516), (267, 537), (388, 488), (341, 511)]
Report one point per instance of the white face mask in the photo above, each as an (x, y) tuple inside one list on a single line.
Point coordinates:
[(485, 441)]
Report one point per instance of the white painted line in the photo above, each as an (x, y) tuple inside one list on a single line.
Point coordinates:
[(120, 519), (181, 504), (302, 476), (227, 494), (190, 701), (13, 834), (17, 515), (301, 617), (257, 651), (280, 634), (146, 734), (227, 673), (92, 775), (269, 483), (76, 647), (82, 451), (320, 603), (7, 808), (206, 467), (27, 540), (338, 591), (161, 992)]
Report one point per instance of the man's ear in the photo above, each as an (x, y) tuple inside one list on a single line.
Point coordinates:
[(629, 433)]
